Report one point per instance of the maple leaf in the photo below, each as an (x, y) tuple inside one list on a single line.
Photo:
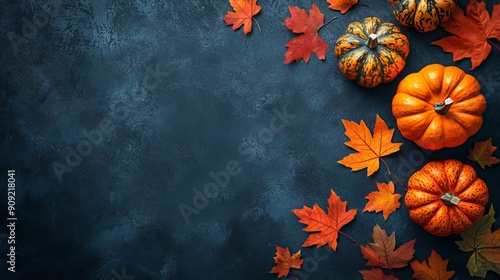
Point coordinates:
[(284, 261), (244, 10), (435, 269), (326, 226), (382, 253), (484, 244), (376, 274), (472, 33), (384, 200), (309, 42), (483, 154), (341, 5), (370, 149)]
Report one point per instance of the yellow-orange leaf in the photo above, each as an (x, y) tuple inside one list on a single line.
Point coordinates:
[(244, 10), (326, 227), (341, 5), (384, 200), (435, 269), (370, 148), (483, 154), (284, 261)]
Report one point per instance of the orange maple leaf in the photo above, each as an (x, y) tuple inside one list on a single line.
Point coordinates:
[(370, 149), (341, 5), (326, 227), (244, 10), (384, 200), (483, 154), (382, 253), (284, 262), (376, 274), (435, 269), (309, 42), (472, 33)]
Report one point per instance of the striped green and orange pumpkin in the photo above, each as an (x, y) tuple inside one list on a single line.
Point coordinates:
[(424, 15), (372, 52)]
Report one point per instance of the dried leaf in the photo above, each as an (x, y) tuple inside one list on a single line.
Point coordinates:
[(244, 10), (381, 253), (326, 228), (284, 262), (341, 5), (309, 41), (376, 274), (384, 200), (472, 33), (483, 154), (435, 269), (370, 149), (484, 244)]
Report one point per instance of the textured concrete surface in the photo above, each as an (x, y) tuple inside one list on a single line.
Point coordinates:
[(117, 114)]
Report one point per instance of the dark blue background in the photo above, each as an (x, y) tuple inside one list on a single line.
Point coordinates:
[(81, 66)]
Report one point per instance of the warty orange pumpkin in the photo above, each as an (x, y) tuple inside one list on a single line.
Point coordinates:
[(446, 197), (424, 15), (372, 52), (438, 106)]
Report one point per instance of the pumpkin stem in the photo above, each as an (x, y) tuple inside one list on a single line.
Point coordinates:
[(450, 199), (443, 107), (372, 41)]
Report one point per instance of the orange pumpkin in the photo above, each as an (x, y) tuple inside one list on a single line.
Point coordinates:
[(446, 197), (438, 107), (372, 52)]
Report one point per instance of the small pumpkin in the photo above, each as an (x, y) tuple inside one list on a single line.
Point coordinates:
[(446, 197), (372, 52), (438, 106), (424, 15)]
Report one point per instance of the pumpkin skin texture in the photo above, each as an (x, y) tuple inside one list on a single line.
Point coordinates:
[(423, 114), (424, 15), (372, 52), (436, 179)]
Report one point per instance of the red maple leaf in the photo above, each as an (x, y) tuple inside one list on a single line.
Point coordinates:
[(472, 33), (326, 227), (309, 41), (376, 274), (284, 261)]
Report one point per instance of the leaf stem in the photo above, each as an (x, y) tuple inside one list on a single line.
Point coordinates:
[(258, 25), (387, 166), (350, 238), (495, 45), (328, 22), (294, 275)]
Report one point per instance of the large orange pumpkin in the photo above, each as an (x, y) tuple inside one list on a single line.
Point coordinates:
[(424, 15), (372, 52), (438, 107), (446, 197)]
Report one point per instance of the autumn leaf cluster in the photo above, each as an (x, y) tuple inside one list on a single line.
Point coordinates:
[(473, 32)]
